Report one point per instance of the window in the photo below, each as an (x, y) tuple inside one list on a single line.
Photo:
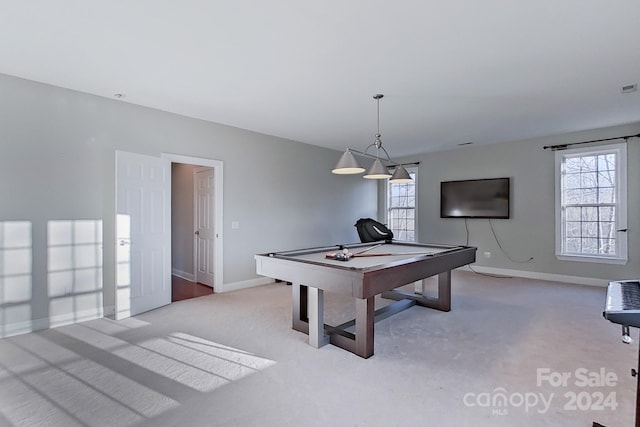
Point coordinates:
[(591, 204), (401, 208)]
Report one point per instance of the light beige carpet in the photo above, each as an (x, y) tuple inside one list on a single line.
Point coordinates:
[(511, 352)]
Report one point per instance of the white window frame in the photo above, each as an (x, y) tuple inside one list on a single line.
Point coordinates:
[(412, 171), (620, 150)]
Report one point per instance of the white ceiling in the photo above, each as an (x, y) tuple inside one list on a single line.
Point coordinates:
[(452, 71)]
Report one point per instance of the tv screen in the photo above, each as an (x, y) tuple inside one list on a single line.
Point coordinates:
[(478, 198)]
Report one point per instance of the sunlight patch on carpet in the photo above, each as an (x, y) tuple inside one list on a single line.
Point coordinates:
[(197, 363), (44, 383)]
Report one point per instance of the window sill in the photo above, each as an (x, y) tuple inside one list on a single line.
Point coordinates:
[(595, 259)]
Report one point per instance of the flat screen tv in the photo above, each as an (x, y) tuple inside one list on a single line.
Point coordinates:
[(477, 198)]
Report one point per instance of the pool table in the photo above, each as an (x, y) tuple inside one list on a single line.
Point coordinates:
[(377, 268)]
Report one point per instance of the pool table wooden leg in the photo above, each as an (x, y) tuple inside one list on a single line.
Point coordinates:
[(308, 313), (444, 291), (300, 316), (365, 320), (317, 337)]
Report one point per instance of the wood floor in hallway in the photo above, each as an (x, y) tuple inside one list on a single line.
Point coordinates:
[(182, 289)]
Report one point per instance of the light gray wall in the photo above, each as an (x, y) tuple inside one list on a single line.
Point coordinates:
[(182, 215), (531, 230), (57, 162)]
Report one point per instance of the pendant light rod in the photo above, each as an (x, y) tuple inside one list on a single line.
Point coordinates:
[(378, 141), (378, 97), (378, 170)]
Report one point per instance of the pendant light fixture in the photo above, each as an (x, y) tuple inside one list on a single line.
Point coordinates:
[(400, 175), (349, 165)]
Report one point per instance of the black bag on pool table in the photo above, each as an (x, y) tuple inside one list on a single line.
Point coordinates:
[(371, 230)]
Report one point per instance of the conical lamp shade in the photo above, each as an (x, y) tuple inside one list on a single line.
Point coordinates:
[(377, 171), (401, 175), (347, 165)]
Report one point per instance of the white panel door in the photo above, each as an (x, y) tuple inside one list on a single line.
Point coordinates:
[(205, 225), (143, 233)]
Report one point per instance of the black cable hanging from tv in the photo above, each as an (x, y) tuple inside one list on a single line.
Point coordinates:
[(565, 146)]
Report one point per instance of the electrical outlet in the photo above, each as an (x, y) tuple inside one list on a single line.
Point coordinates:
[(487, 254)]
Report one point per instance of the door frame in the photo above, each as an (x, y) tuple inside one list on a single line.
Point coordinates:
[(218, 173)]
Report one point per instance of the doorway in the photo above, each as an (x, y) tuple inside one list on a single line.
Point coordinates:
[(196, 226)]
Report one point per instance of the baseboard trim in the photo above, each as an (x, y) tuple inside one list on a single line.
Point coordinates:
[(183, 275), (109, 311), (228, 287), (19, 328), (577, 280)]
